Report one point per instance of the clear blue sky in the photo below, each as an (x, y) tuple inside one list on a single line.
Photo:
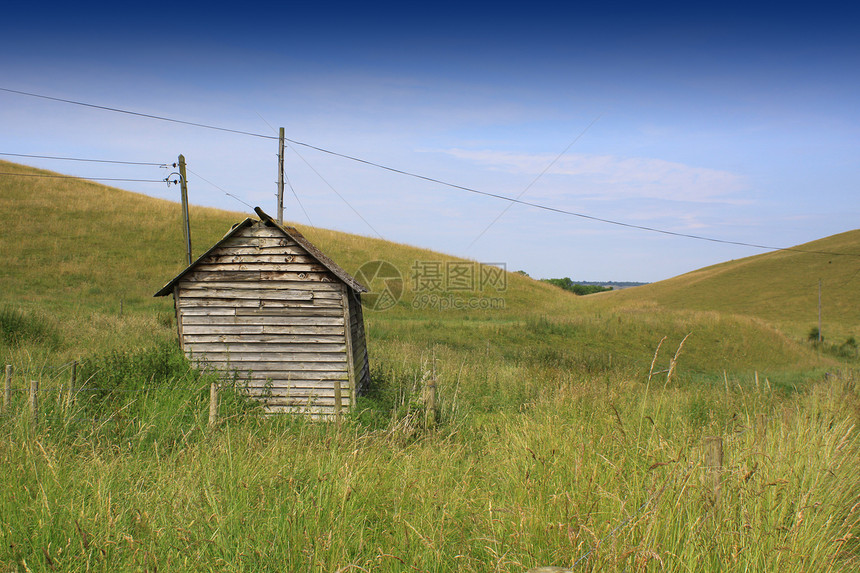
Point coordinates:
[(736, 123)]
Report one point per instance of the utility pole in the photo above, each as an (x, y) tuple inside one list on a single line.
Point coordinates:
[(184, 187), (819, 310), (281, 177)]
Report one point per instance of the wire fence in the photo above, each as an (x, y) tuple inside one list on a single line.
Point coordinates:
[(56, 392)]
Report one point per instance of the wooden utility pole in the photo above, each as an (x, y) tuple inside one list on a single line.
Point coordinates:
[(183, 185), (281, 177), (819, 310)]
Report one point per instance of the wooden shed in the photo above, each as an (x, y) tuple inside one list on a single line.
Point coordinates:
[(267, 308)]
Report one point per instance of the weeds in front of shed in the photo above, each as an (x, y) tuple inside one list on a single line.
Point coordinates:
[(600, 473)]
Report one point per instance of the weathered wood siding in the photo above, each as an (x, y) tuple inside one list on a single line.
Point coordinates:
[(359, 344), (260, 308)]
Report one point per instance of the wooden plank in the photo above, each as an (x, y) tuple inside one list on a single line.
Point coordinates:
[(315, 413), (296, 251), (265, 370), (191, 311), (262, 242), (264, 381), (308, 310), (334, 361), (246, 286), (298, 266), (212, 281), (250, 345), (260, 337), (235, 329), (294, 363), (282, 388), (222, 276), (249, 303), (258, 293), (259, 230), (285, 271), (304, 329), (329, 390), (266, 320), (278, 275), (310, 400)]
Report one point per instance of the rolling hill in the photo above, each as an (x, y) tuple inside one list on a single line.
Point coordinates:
[(85, 259), (780, 287)]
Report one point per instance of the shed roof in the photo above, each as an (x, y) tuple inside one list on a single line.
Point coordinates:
[(290, 232)]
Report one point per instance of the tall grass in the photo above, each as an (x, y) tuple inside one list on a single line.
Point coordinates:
[(597, 474), (553, 444)]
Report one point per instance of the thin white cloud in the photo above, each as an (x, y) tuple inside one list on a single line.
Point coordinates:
[(609, 177)]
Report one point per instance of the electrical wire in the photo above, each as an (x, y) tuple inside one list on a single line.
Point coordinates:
[(88, 178), (342, 198), (290, 185), (219, 188), (135, 113), (81, 159), (535, 180), (432, 180)]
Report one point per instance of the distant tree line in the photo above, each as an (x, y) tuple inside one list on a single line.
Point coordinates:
[(576, 288)]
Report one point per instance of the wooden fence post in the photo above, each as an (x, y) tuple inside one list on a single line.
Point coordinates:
[(73, 378), (430, 404), (7, 389), (213, 404), (34, 397), (714, 461)]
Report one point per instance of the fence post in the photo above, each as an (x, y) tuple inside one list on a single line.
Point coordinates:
[(7, 389), (73, 378), (213, 404), (714, 461), (430, 404), (34, 397)]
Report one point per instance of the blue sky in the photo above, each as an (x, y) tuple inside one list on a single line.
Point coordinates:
[(740, 124)]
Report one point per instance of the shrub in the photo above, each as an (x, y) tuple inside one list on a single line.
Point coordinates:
[(815, 335), (17, 327)]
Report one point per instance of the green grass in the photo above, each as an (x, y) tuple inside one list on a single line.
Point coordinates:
[(779, 287), (606, 477), (561, 437), (108, 251)]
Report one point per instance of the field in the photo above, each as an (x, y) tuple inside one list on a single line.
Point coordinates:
[(571, 431)]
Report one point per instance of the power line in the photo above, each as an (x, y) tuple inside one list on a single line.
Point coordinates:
[(342, 198), (535, 180), (290, 185), (219, 188), (87, 160), (88, 178), (431, 180), (138, 114)]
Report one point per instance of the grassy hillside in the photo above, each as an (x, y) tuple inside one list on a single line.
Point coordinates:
[(84, 259), (780, 287)]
